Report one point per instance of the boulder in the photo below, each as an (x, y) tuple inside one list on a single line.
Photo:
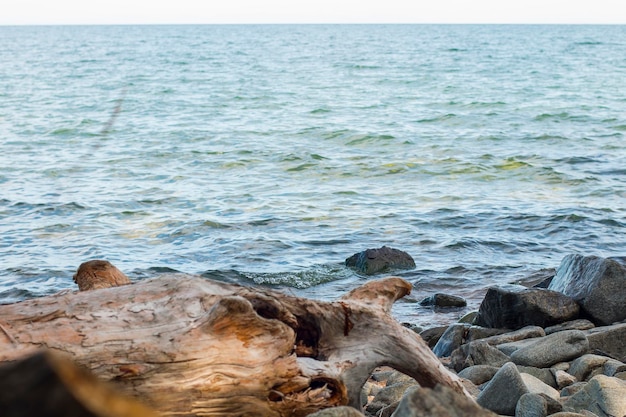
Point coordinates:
[(374, 261), (432, 335), (528, 332), (583, 366), (458, 334), (597, 284), (545, 375), (477, 353), (443, 300), (602, 395), (479, 374), (557, 347), (515, 306), (438, 402), (608, 340), (536, 405), (501, 394)]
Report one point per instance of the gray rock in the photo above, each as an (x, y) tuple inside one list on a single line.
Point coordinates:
[(536, 405), (438, 402), (609, 340), (527, 332), (468, 317), (602, 395), (341, 411), (454, 336), (545, 375), (388, 395), (443, 300), (563, 379), (557, 347), (477, 353), (597, 284), (501, 394), (572, 389), (569, 414), (583, 366), (458, 334), (431, 336), (613, 367), (515, 306), (536, 386), (373, 261), (479, 374), (510, 347), (580, 324)]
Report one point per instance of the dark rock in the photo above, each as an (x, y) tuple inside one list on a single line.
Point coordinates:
[(501, 394), (438, 402), (602, 395), (477, 353), (373, 261), (580, 324), (479, 374), (557, 347), (514, 307), (536, 405), (431, 336), (597, 284), (608, 340), (443, 300)]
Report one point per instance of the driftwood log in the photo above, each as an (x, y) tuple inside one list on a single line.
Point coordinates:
[(187, 346)]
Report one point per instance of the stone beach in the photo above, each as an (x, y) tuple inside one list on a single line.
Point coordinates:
[(556, 349)]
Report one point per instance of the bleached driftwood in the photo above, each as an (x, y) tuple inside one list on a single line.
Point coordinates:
[(189, 346)]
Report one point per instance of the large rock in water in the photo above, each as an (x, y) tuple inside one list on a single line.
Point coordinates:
[(598, 284), (373, 261), (515, 306)]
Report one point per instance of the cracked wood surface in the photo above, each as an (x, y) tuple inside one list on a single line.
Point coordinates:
[(189, 346)]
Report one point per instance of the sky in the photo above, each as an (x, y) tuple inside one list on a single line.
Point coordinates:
[(43, 12)]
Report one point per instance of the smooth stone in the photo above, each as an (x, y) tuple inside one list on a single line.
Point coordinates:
[(583, 366), (501, 394), (572, 389), (431, 336), (515, 306), (536, 405), (477, 353), (479, 374), (602, 395), (562, 378), (388, 395), (528, 332), (510, 347), (613, 367), (444, 300), (597, 284), (609, 340), (537, 386), (451, 339), (545, 375), (468, 317), (374, 261), (441, 401), (548, 350), (580, 324)]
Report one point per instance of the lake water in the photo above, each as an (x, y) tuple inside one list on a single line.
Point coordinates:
[(269, 154)]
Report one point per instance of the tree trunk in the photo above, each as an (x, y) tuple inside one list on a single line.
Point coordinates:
[(189, 346)]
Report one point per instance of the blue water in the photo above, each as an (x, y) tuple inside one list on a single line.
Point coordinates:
[(269, 154)]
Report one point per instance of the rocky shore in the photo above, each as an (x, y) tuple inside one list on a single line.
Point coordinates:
[(557, 348)]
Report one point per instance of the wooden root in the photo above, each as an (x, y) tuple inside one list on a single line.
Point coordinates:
[(188, 346)]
